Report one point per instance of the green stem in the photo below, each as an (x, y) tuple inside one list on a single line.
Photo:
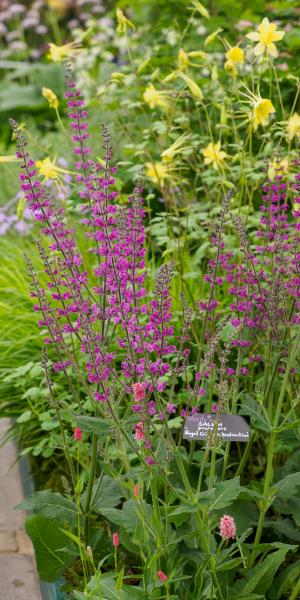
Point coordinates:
[(90, 485)]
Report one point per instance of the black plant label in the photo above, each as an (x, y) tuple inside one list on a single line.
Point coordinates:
[(230, 428)]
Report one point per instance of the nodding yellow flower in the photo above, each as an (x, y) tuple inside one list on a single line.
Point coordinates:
[(235, 55), (293, 127), (60, 6), (60, 53), (266, 36), (183, 60), (177, 147), (156, 98), (192, 85), (262, 109), (158, 172), (230, 67), (51, 97), (49, 169), (123, 22), (277, 167), (214, 155)]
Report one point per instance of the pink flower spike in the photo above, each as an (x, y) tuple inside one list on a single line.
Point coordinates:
[(77, 434), (136, 490), (162, 576), (138, 392), (227, 527), (116, 540)]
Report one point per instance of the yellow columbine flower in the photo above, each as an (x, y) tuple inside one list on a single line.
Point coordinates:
[(176, 148), (51, 97), (293, 127), (49, 169), (123, 22), (214, 155), (60, 6), (235, 55), (155, 98), (277, 167), (60, 53), (158, 172), (266, 36), (183, 60), (262, 109)]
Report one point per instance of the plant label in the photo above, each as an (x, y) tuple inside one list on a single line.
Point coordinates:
[(231, 428)]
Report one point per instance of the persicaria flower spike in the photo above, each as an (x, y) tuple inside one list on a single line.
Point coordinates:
[(77, 434), (227, 527), (162, 576), (116, 540)]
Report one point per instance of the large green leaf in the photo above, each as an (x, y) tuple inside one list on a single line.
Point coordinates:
[(260, 578), (226, 492), (51, 505), (48, 539), (284, 583), (106, 494), (288, 486), (93, 424)]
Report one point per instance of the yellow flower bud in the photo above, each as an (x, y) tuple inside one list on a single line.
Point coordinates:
[(183, 60), (51, 97), (123, 22), (192, 85)]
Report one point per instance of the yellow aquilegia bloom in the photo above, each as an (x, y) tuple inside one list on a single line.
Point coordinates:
[(155, 98), (60, 6), (60, 53), (293, 127), (277, 168), (49, 170), (261, 111), (176, 148), (214, 155), (51, 97), (266, 36), (157, 171), (236, 55)]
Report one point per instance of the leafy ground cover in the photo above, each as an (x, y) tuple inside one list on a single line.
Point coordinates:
[(135, 309)]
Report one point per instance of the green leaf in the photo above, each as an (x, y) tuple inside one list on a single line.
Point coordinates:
[(51, 505), (47, 539), (24, 417), (252, 409), (288, 486), (260, 578), (93, 424), (107, 494), (284, 583), (226, 492)]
